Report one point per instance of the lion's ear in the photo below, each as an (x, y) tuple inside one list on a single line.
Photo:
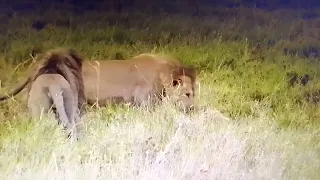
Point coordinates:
[(190, 71)]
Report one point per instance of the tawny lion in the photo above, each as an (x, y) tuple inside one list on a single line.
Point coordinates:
[(143, 79)]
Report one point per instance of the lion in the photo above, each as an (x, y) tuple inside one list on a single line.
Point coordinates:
[(58, 83), (52, 89), (142, 80), (145, 79)]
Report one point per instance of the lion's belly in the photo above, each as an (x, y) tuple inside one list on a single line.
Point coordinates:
[(109, 91)]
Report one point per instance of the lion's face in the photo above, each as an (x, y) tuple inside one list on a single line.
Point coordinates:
[(182, 90)]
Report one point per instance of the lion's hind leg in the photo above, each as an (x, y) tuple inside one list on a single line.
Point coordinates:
[(58, 101), (64, 102), (38, 102), (71, 111)]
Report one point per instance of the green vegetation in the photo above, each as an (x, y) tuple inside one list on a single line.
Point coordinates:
[(243, 56)]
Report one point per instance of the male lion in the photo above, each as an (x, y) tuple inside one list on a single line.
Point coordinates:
[(58, 83), (53, 89), (143, 79)]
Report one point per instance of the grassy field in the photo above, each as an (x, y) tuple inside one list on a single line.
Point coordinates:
[(252, 124)]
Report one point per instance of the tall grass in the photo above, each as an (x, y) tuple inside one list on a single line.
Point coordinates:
[(264, 129), (164, 144)]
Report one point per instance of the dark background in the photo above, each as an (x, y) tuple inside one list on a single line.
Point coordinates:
[(193, 6)]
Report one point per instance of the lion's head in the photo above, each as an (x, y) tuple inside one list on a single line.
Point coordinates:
[(182, 85)]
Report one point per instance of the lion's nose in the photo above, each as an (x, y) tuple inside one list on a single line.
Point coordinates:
[(188, 94)]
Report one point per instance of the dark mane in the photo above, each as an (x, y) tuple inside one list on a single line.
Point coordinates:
[(67, 63)]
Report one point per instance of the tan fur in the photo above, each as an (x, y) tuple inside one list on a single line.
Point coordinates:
[(58, 82), (143, 79)]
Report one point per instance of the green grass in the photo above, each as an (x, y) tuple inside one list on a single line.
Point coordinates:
[(272, 130)]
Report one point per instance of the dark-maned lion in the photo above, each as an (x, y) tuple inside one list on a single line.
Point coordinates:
[(53, 89), (58, 83), (143, 79)]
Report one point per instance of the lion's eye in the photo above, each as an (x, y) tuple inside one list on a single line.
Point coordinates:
[(177, 82)]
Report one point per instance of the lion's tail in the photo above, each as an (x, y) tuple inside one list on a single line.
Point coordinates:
[(51, 65), (15, 91)]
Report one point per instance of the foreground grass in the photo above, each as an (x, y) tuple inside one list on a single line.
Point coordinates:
[(164, 144), (272, 131)]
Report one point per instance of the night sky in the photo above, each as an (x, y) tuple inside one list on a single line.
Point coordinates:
[(165, 5)]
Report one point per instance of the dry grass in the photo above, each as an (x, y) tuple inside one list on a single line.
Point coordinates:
[(164, 144)]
